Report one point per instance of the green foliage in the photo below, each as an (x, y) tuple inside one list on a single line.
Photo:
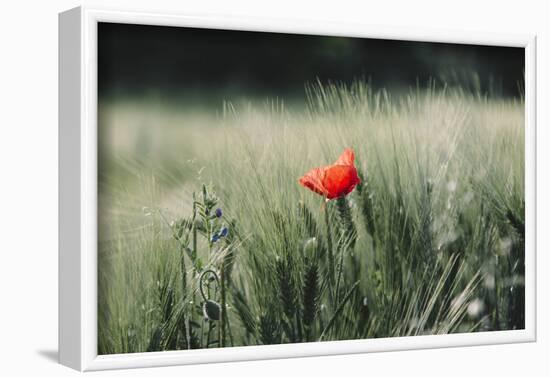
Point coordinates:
[(430, 242)]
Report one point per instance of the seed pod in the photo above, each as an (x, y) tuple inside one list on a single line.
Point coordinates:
[(310, 296), (347, 230), (211, 310), (310, 226)]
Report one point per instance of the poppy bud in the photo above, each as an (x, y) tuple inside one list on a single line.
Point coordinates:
[(211, 310)]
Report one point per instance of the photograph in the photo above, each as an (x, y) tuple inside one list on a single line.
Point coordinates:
[(261, 188)]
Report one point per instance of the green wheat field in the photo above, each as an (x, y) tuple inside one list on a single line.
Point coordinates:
[(206, 238)]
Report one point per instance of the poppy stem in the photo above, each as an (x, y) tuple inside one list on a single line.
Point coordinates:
[(205, 296), (208, 334), (330, 255)]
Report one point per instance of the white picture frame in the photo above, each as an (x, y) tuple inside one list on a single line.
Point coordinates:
[(78, 191)]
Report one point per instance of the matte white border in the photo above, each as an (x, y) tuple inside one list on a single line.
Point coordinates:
[(79, 306)]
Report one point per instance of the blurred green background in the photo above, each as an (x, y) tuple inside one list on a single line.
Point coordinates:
[(206, 65)]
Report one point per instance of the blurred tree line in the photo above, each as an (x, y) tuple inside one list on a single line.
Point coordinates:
[(138, 59)]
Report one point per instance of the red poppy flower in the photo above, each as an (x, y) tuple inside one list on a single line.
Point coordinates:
[(335, 180)]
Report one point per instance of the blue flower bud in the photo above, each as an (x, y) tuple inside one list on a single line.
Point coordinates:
[(219, 212), (224, 232), (215, 237)]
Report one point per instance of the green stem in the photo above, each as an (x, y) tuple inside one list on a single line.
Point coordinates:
[(229, 331), (330, 255), (202, 335), (194, 250), (201, 283), (222, 304), (340, 269), (194, 258), (188, 333), (339, 310), (208, 334), (183, 274)]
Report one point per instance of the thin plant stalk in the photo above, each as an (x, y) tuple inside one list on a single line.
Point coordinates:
[(338, 310), (330, 255), (223, 315)]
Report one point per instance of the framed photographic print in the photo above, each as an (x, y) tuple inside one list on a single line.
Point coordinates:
[(238, 189)]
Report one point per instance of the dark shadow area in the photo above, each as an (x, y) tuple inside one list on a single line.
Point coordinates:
[(196, 63), (49, 354)]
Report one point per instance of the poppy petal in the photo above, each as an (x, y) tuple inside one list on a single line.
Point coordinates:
[(346, 158), (313, 180), (340, 180), (335, 180)]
